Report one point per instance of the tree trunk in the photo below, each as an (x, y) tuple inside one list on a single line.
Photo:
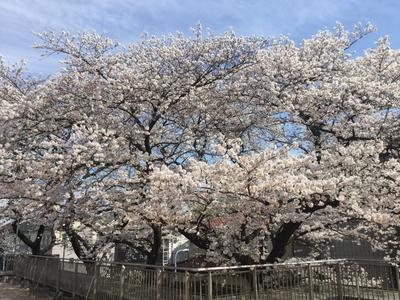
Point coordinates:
[(281, 240), (244, 259), (34, 245), (153, 256), (198, 240)]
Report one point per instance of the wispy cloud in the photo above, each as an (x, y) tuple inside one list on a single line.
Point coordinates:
[(125, 20)]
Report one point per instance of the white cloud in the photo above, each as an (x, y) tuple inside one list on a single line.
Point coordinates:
[(125, 20)]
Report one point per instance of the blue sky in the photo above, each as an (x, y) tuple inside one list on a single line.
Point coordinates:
[(125, 20)]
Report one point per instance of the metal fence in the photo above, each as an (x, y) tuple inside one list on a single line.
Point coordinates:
[(6, 264), (334, 279)]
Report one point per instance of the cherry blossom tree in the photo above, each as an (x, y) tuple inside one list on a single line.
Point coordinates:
[(21, 199), (102, 124), (334, 100), (240, 144), (329, 106)]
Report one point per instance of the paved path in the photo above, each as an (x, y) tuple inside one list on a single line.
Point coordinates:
[(13, 292)]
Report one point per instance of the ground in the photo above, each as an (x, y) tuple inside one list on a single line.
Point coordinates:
[(13, 292)]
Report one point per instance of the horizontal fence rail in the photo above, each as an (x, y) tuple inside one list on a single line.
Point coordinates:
[(330, 279)]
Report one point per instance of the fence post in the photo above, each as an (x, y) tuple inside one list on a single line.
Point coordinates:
[(210, 291), (187, 286), (397, 280), (46, 274), (29, 265), (310, 282), (339, 281), (58, 276), (158, 284), (4, 261), (95, 279), (255, 283), (74, 280), (121, 284), (358, 282), (32, 276)]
